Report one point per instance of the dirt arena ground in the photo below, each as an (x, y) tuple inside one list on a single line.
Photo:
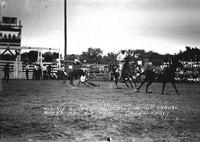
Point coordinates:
[(48, 111)]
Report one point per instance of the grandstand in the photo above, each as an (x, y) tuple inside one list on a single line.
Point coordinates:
[(10, 40)]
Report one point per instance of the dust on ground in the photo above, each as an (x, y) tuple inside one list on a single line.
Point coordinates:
[(40, 111)]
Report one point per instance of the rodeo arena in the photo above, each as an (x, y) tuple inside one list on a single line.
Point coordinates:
[(52, 101)]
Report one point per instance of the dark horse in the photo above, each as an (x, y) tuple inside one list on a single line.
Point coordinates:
[(150, 77), (167, 75), (126, 73), (74, 74)]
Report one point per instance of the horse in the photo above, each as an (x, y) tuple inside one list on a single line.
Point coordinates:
[(150, 77), (166, 75), (125, 74), (74, 74)]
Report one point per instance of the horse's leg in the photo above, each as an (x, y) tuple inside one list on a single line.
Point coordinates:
[(71, 82), (65, 79), (141, 85), (116, 81), (173, 83), (124, 80), (133, 81), (129, 79), (163, 87), (149, 83), (79, 81)]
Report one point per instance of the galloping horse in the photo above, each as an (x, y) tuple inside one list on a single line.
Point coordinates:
[(150, 77), (167, 75), (126, 73)]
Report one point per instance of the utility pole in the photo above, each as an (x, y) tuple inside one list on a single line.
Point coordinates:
[(65, 29), (2, 5)]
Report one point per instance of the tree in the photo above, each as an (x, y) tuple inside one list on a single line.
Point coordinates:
[(71, 57), (93, 55), (55, 55), (32, 56), (25, 57), (105, 60), (49, 56), (167, 57), (112, 56), (190, 54)]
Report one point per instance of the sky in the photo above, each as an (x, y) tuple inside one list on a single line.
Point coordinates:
[(163, 26)]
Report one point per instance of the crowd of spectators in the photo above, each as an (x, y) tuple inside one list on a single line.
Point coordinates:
[(190, 73), (40, 72)]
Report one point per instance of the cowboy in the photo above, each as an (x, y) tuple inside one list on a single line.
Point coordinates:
[(77, 61), (84, 79), (121, 59)]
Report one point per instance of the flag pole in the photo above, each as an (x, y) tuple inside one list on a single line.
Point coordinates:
[(65, 29)]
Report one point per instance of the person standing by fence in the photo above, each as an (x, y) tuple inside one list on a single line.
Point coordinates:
[(34, 71), (27, 71), (49, 68), (39, 72), (44, 70), (6, 72)]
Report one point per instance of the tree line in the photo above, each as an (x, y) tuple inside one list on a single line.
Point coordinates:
[(95, 56), (32, 56)]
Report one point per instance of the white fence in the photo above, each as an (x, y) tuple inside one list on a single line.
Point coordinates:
[(20, 72)]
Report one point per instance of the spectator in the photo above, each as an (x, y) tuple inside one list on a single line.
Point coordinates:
[(39, 72), (27, 71), (34, 72), (49, 71), (6, 72), (44, 72)]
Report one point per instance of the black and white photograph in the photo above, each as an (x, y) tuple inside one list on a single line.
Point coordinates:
[(99, 71)]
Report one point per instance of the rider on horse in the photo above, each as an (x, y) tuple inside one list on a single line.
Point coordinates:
[(121, 60)]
